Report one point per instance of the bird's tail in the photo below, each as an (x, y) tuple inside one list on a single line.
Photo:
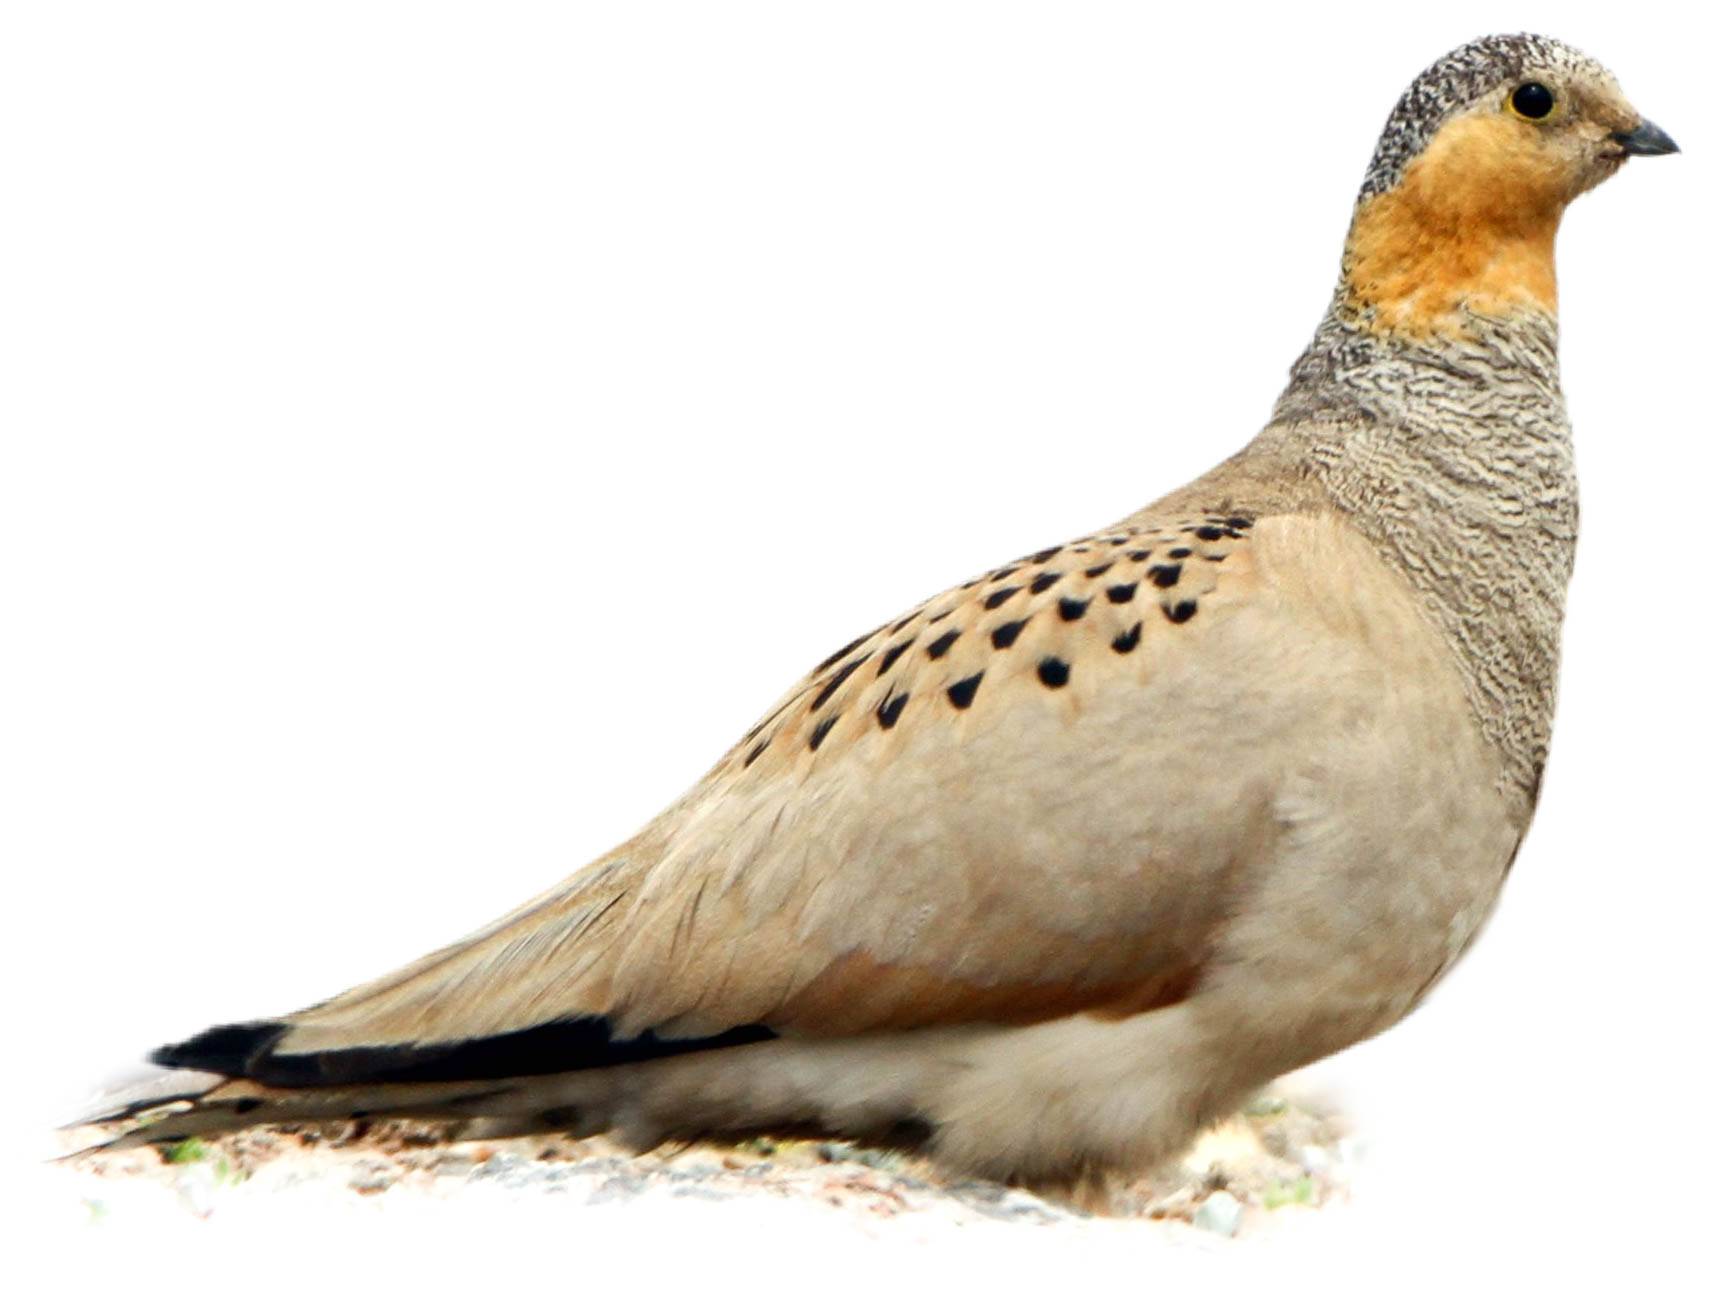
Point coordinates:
[(168, 1111)]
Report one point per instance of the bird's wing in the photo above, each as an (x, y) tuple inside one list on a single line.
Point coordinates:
[(1024, 799)]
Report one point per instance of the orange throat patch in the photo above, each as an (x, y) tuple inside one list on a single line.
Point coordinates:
[(1468, 230)]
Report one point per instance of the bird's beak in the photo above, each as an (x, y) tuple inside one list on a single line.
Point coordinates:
[(1647, 140)]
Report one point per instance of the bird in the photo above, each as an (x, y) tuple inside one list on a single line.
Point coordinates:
[(1050, 871)]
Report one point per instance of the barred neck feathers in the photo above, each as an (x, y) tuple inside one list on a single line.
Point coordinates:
[(1427, 408), (1453, 456)]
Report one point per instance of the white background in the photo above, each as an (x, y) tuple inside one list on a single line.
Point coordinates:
[(433, 432)]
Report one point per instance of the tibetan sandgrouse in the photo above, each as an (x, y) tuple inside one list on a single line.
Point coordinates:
[(1067, 860)]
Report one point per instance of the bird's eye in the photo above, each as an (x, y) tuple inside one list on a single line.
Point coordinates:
[(1532, 100)]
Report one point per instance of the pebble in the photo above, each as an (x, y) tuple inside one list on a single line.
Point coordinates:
[(1221, 1213), (620, 1187), (1316, 1160)]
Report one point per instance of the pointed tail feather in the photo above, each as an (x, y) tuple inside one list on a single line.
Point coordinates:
[(537, 1102)]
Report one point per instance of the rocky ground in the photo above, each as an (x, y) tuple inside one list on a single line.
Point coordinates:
[(1261, 1169)]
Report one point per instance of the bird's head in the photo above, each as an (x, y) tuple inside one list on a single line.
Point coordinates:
[(1473, 171)]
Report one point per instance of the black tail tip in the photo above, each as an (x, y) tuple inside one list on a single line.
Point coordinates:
[(224, 1050)]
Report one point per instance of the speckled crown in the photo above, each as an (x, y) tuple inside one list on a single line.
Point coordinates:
[(1453, 84)]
